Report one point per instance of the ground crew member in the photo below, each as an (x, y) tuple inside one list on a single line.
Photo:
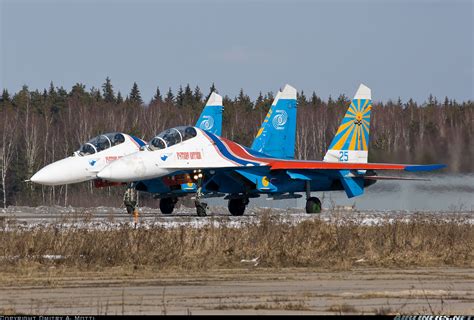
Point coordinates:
[(130, 199)]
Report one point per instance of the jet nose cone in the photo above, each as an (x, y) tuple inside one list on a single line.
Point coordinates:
[(65, 171), (40, 177)]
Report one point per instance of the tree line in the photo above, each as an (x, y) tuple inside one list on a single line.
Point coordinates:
[(39, 127)]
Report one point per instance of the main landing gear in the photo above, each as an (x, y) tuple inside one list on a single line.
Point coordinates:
[(237, 206), (167, 205), (313, 204)]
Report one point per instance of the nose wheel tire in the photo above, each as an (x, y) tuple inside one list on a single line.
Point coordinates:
[(237, 206), (167, 205), (313, 205)]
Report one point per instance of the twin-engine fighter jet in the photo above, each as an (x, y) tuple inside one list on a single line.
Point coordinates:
[(218, 165), (275, 138), (100, 151)]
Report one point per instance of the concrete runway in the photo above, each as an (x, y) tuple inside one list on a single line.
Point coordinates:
[(243, 291)]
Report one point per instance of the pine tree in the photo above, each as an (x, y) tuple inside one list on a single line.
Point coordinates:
[(180, 97), (259, 101), (157, 97), (95, 94), (302, 99), (268, 100), (108, 90), (169, 97), (188, 97), (135, 96), (399, 102), (197, 96), (211, 90), (342, 101), (52, 91), (315, 100), (5, 96), (244, 100), (330, 101), (119, 98), (78, 89)]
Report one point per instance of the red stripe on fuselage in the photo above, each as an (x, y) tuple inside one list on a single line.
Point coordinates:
[(239, 151), (217, 149)]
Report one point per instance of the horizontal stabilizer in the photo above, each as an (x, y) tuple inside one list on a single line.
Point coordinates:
[(394, 178), (424, 167), (353, 186)]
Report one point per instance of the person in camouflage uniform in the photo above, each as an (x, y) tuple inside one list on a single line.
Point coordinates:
[(130, 199)]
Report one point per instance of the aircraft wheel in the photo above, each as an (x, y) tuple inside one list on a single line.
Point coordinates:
[(313, 205), (167, 205), (237, 206), (201, 208)]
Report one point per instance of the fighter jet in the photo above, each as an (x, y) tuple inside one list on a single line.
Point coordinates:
[(100, 151), (276, 141), (215, 164)]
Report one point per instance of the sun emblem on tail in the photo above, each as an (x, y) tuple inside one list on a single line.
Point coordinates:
[(358, 118)]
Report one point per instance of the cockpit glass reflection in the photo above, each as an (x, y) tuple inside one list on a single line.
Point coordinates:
[(102, 142), (172, 136)]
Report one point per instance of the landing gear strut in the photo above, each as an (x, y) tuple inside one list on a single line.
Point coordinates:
[(313, 204), (167, 205), (237, 206), (200, 206), (130, 199)]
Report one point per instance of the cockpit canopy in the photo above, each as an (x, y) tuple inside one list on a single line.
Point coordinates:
[(171, 137), (102, 142)]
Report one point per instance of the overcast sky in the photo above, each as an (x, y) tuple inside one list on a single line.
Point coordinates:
[(398, 48)]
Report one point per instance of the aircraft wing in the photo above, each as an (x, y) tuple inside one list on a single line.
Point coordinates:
[(322, 165)]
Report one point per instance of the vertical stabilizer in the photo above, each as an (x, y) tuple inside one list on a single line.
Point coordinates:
[(351, 143), (211, 116), (276, 137)]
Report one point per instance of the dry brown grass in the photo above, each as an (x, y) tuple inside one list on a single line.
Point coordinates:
[(424, 240), (342, 308)]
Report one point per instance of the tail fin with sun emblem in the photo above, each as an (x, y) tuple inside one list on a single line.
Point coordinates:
[(351, 143), (276, 137)]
